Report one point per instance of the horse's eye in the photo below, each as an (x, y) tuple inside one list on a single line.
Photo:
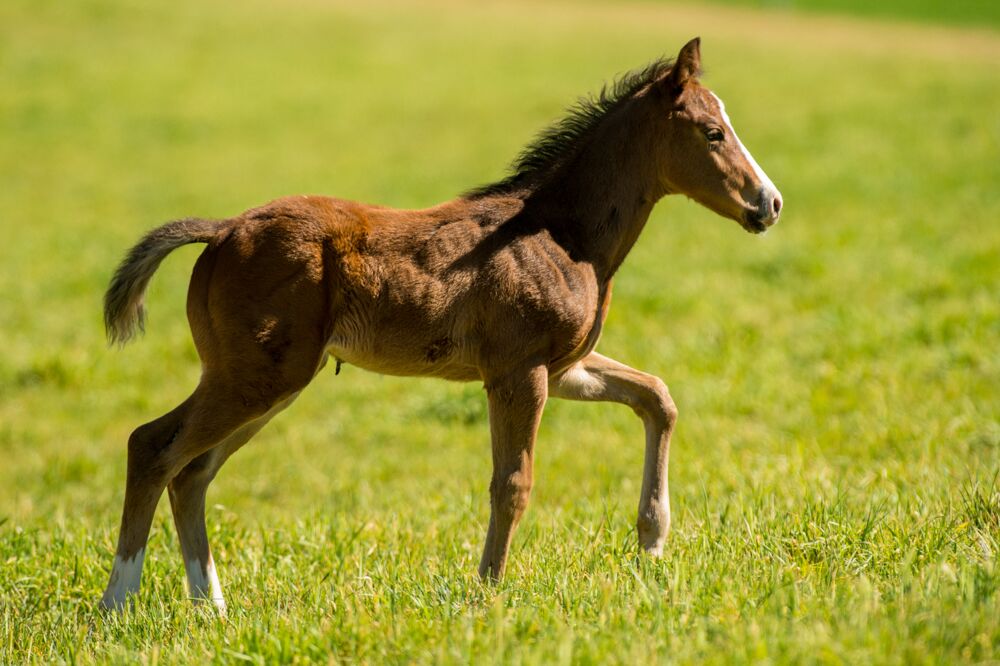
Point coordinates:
[(714, 134)]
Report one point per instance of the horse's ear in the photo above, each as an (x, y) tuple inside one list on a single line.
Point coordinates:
[(688, 65)]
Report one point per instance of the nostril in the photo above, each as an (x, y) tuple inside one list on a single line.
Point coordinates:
[(777, 204)]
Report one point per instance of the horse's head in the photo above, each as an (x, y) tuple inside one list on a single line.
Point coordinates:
[(703, 157)]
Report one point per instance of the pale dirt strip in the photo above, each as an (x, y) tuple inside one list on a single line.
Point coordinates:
[(756, 28)]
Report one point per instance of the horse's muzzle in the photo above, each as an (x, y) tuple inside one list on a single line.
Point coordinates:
[(765, 215)]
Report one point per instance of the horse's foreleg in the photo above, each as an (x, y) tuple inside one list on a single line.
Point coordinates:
[(599, 378), (515, 406)]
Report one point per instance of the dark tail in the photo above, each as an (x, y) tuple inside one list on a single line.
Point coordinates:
[(123, 309)]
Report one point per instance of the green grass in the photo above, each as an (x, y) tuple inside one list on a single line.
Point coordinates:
[(834, 474), (972, 13)]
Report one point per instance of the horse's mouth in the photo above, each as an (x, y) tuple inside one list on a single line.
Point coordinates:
[(756, 223)]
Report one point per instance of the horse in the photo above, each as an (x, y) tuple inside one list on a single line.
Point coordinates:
[(508, 284)]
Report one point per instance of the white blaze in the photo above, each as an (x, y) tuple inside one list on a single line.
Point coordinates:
[(765, 182), (125, 578)]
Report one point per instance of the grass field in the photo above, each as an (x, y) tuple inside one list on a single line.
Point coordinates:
[(972, 13), (834, 475)]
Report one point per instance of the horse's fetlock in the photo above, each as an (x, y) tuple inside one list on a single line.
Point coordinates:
[(653, 525)]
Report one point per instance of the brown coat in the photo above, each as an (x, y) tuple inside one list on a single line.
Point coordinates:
[(508, 285)]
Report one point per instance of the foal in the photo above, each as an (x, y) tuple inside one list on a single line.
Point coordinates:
[(508, 285)]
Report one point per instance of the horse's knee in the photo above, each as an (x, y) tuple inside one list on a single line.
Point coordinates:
[(657, 406), (512, 493), (521, 496), (665, 403)]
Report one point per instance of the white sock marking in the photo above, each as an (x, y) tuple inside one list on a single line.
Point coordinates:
[(204, 584), (125, 578)]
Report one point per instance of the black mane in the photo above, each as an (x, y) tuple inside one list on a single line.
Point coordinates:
[(558, 142)]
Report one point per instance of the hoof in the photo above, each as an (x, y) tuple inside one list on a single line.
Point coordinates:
[(110, 604), (490, 574), (217, 604)]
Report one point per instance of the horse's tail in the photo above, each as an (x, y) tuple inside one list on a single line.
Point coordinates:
[(123, 307)]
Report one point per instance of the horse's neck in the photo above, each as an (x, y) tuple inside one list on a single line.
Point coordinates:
[(605, 194)]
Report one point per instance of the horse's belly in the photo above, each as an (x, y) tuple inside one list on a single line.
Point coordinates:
[(394, 355)]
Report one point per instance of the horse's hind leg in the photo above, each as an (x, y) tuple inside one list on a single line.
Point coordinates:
[(145, 447), (258, 315), (157, 451), (216, 413), (600, 378), (187, 500)]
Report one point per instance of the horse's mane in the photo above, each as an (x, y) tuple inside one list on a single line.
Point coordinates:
[(558, 142)]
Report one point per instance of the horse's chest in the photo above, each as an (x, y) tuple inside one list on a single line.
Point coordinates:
[(588, 335)]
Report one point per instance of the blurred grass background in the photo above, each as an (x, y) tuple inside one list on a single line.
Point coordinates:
[(970, 13), (834, 472)]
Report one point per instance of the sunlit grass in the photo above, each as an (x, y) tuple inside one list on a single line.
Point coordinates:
[(834, 473)]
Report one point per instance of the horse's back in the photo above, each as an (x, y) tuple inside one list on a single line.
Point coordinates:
[(441, 292)]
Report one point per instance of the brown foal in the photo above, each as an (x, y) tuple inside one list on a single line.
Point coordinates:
[(508, 284)]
